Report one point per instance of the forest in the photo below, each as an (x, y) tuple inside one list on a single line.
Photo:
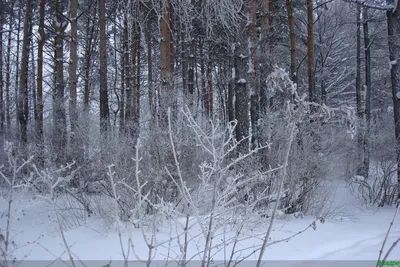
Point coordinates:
[(199, 112)]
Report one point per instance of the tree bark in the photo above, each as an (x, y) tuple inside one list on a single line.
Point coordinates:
[(136, 55), (39, 81), (242, 99), (266, 49), (210, 97), (89, 46), (8, 72), (2, 108), (393, 24), (253, 73), (292, 37), (191, 70), (149, 44), (73, 63), (59, 120), (128, 79), (359, 104), (23, 111), (368, 83), (166, 57), (104, 108), (122, 90), (17, 74), (310, 51)]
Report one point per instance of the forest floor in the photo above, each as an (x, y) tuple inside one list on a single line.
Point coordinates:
[(351, 232)]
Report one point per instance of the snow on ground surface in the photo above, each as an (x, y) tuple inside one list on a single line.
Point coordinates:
[(351, 232)]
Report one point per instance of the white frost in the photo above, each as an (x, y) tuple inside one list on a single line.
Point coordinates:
[(359, 178)]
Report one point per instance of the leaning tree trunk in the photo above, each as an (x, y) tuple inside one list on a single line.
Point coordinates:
[(393, 24)]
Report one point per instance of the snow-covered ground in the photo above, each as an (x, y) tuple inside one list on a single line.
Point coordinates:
[(351, 232)]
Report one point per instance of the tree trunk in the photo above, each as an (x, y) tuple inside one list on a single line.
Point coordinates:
[(23, 111), (87, 60), (242, 99), (73, 63), (150, 66), (367, 50), (8, 72), (310, 51), (59, 120), (359, 104), (2, 115), (17, 74), (136, 118), (128, 79), (39, 81), (204, 93), (266, 49), (104, 108), (393, 24), (191, 70), (33, 87), (231, 87), (210, 97), (166, 57), (122, 91), (184, 60), (253, 72), (292, 37)]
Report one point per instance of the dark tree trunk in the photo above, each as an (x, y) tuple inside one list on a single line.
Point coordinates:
[(242, 98), (150, 88), (292, 37), (23, 110), (8, 72), (73, 64), (136, 56), (367, 50), (104, 108), (166, 59), (2, 108), (59, 120), (122, 91), (393, 24), (89, 46), (359, 104), (17, 74), (254, 73), (310, 51), (210, 97), (39, 95)]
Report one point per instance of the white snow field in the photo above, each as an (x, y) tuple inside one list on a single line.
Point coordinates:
[(351, 234)]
